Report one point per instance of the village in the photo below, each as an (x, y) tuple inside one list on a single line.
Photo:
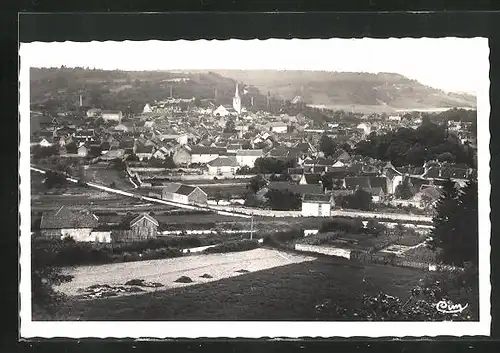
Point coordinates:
[(185, 177)]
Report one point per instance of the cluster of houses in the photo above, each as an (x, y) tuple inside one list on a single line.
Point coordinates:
[(84, 226)]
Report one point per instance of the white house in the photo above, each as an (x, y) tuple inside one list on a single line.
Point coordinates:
[(94, 112), (186, 194), (279, 128), (223, 166), (248, 157), (395, 118), (147, 109), (112, 115), (45, 143), (83, 151), (221, 111), (316, 205)]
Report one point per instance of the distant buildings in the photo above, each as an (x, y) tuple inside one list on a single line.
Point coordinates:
[(112, 115)]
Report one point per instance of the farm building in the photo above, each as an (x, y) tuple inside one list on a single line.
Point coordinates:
[(316, 205), (135, 228), (185, 194), (68, 223)]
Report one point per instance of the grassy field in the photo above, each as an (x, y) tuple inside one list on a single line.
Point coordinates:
[(287, 289)]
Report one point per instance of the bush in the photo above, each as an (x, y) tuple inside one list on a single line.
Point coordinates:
[(70, 253), (233, 246), (354, 225), (280, 239)]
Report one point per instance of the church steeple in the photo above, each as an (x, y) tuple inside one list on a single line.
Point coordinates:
[(237, 101)]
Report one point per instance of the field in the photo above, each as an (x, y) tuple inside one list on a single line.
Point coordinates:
[(279, 286)]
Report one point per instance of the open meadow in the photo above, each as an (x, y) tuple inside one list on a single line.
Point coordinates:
[(277, 286)]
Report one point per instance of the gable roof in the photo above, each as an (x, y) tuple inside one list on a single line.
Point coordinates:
[(64, 218), (316, 198), (312, 179), (144, 216), (206, 150), (295, 188), (223, 162), (379, 182), (353, 182), (255, 153)]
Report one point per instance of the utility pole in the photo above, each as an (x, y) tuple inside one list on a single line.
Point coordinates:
[(251, 228)]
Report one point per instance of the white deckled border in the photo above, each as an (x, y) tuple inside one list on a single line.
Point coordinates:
[(190, 329)]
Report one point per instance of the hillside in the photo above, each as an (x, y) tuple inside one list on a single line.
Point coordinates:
[(383, 91), (61, 88)]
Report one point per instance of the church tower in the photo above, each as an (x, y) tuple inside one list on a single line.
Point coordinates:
[(237, 101)]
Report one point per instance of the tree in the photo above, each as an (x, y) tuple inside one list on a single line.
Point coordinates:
[(256, 183), (327, 145), (218, 196), (230, 126), (405, 190), (455, 232), (445, 234), (54, 179), (360, 200), (283, 200), (326, 182)]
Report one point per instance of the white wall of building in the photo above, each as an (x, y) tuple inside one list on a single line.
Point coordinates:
[(315, 209)]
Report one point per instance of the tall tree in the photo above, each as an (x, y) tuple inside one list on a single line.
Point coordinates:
[(465, 247), (445, 222)]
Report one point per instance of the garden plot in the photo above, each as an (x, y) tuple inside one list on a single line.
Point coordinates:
[(199, 269)]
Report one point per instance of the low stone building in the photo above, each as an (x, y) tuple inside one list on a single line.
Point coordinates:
[(76, 224)]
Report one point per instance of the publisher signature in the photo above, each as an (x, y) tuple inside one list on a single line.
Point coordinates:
[(450, 308)]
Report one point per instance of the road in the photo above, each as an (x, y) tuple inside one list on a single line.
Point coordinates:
[(243, 212)]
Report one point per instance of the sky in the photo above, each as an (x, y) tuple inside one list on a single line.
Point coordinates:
[(450, 64)]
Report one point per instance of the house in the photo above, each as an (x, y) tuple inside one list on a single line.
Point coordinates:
[(248, 157), (161, 153), (224, 110), (182, 157), (93, 113), (147, 109), (83, 150), (223, 166), (186, 194), (316, 205), (45, 142), (113, 154), (136, 228), (143, 152), (203, 155), (295, 188), (112, 115), (68, 223), (427, 196), (277, 127), (394, 178), (85, 135), (310, 179), (123, 127)]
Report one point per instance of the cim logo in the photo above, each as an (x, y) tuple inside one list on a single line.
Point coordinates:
[(450, 308)]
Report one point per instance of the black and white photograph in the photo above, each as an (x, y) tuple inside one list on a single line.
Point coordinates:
[(255, 188)]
